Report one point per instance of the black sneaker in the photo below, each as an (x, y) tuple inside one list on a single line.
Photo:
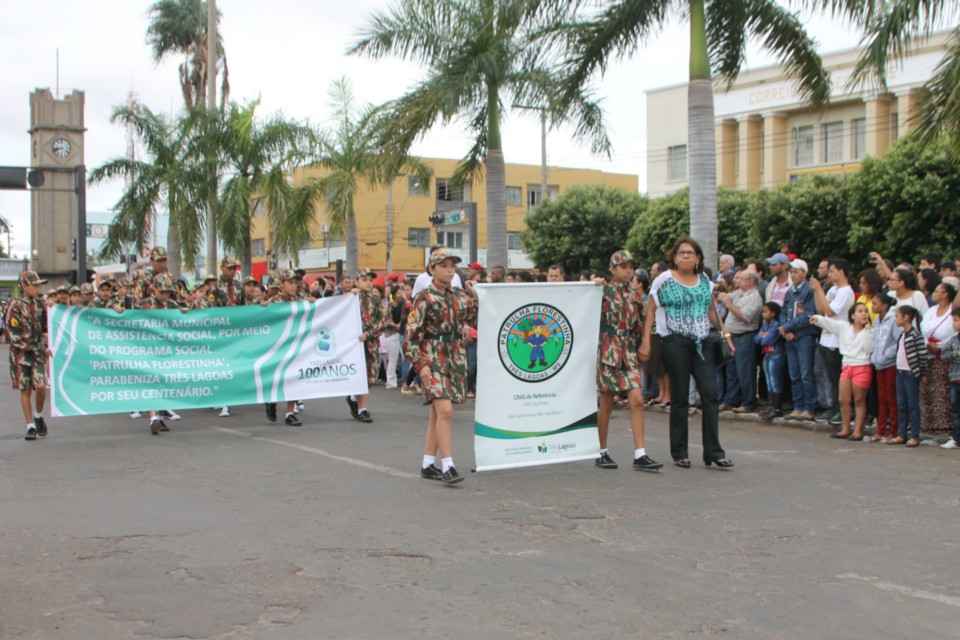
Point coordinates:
[(364, 416), (646, 463), (450, 476), (271, 408), (606, 462), (41, 426), (156, 426), (31, 433), (354, 408), (431, 473), (163, 425), (292, 420), (835, 420)]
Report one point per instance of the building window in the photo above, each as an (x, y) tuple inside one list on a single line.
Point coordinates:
[(894, 126), (446, 192), (258, 207), (677, 162), (533, 194), (259, 247), (416, 187), (803, 146), (859, 126), (833, 142), (514, 196), (513, 242), (450, 239), (418, 237)]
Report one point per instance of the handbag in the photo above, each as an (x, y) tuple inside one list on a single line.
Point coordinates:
[(720, 348)]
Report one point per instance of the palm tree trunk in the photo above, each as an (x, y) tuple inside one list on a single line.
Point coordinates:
[(496, 185), (173, 249), (352, 253), (702, 157)]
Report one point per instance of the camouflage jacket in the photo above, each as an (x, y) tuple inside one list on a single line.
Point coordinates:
[(225, 292), (371, 316), (154, 303), (26, 320), (283, 299), (434, 329), (97, 303), (621, 326)]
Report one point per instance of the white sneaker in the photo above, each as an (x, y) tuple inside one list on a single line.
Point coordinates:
[(299, 406), (136, 415), (950, 444), (224, 413), (173, 415), (296, 409)]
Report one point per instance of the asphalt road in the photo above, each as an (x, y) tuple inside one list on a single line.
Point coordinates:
[(232, 528)]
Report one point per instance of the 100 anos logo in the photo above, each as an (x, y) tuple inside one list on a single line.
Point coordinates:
[(534, 342)]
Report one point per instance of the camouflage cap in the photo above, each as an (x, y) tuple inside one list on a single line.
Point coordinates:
[(274, 284), (440, 255), (73, 290), (163, 282), (86, 288), (621, 257), (105, 283), (158, 253), (124, 282), (250, 280), (148, 272), (287, 274), (366, 273), (230, 261), (30, 277), (62, 289), (208, 278)]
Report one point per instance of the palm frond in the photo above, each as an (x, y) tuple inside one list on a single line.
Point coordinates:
[(938, 104), (418, 30), (727, 38)]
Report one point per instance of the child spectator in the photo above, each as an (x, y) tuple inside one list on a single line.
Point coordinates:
[(884, 361), (856, 345), (911, 364), (771, 342)]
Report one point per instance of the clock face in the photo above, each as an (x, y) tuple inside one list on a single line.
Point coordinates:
[(61, 147)]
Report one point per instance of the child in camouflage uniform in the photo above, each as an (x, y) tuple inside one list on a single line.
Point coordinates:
[(438, 323), (618, 369), (371, 317), (26, 320), (291, 290), (164, 290)]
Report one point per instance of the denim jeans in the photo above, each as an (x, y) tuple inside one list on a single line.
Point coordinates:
[(681, 360), (908, 403), (955, 410), (472, 366), (651, 388), (742, 373), (800, 364), (773, 371), (833, 365)]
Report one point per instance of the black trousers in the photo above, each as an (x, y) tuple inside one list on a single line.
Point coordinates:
[(681, 360)]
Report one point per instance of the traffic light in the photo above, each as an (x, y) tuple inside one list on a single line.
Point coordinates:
[(73, 250), (436, 218)]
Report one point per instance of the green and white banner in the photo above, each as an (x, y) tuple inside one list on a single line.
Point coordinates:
[(109, 362), (536, 374)]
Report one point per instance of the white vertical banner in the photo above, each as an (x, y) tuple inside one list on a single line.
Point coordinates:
[(536, 374)]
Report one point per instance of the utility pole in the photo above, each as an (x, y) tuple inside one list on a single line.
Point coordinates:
[(212, 107), (390, 226), (544, 192)]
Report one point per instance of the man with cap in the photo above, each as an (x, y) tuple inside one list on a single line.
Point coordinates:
[(439, 322), (290, 291), (618, 368), (104, 298), (87, 294), (26, 321), (225, 291), (800, 336), (159, 260), (371, 317), (780, 283), (164, 289)]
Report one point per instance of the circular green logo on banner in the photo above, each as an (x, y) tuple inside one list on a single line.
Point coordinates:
[(535, 342)]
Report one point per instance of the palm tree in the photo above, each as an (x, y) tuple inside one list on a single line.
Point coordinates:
[(892, 30), (353, 154), (719, 30), (168, 179), (179, 27), (480, 55), (257, 158)]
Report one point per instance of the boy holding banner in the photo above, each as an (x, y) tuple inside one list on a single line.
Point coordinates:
[(290, 291), (371, 317), (438, 323), (618, 369)]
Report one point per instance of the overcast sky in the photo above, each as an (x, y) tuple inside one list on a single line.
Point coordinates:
[(286, 52)]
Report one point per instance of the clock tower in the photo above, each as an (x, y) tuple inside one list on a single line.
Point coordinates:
[(56, 148)]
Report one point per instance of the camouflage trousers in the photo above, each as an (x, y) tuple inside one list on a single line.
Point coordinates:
[(617, 379)]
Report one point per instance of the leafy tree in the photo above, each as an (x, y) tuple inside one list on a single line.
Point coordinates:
[(810, 213), (480, 56), (168, 178), (583, 227), (668, 217), (4, 228), (719, 31), (906, 202)]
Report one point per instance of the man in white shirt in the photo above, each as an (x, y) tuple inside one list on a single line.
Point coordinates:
[(834, 304)]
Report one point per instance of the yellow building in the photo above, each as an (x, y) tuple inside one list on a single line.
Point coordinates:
[(767, 136), (413, 231)]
